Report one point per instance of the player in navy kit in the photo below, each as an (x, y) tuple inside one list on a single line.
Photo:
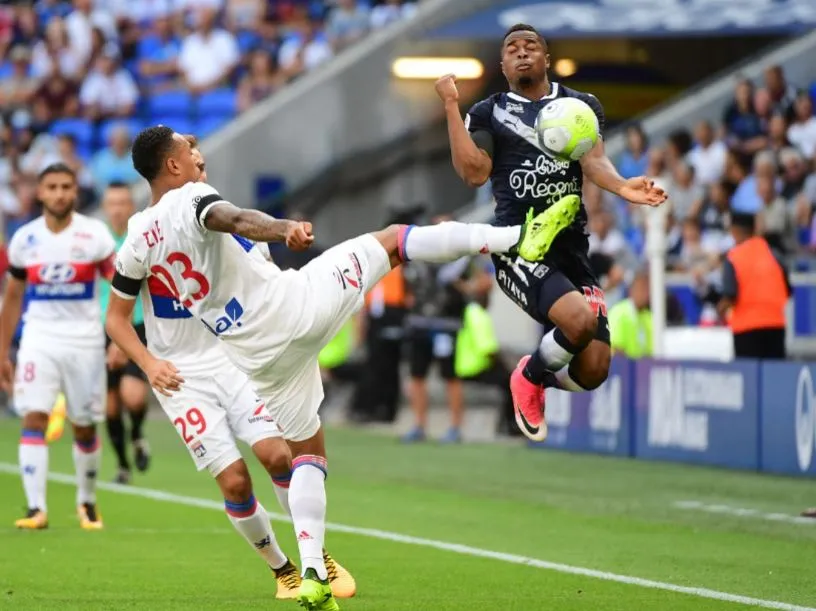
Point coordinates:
[(497, 141)]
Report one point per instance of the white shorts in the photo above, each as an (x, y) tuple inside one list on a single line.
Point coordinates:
[(43, 371), (210, 413), (338, 281)]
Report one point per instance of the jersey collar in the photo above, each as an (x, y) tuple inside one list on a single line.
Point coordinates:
[(553, 93)]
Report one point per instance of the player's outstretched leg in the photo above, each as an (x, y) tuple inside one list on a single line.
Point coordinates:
[(569, 356), (33, 457), (251, 520), (343, 584), (450, 240), (87, 456)]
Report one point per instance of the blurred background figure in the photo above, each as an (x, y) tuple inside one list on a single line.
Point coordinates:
[(630, 321)]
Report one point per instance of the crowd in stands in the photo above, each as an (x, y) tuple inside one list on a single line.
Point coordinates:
[(79, 78), (759, 160)]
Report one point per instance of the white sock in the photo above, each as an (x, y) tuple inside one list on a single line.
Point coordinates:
[(251, 520), (307, 500), (33, 456), (451, 240), (87, 457), (282, 492), (565, 382)]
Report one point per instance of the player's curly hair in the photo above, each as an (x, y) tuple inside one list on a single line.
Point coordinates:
[(150, 150), (524, 27)]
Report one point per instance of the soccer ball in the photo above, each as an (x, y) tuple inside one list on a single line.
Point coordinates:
[(567, 128)]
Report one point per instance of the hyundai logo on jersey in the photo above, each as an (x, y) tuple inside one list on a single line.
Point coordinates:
[(165, 305), (50, 281)]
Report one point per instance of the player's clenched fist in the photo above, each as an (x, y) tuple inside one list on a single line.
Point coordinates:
[(299, 235), (164, 377), (446, 88)]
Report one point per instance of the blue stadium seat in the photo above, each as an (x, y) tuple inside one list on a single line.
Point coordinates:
[(170, 103), (5, 69), (134, 127), (210, 125), (247, 41), (80, 129), (181, 125), (220, 102)]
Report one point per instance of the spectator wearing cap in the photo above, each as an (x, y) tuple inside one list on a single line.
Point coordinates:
[(109, 90), (755, 290), (209, 55), (113, 164), (17, 89), (802, 131), (708, 155)]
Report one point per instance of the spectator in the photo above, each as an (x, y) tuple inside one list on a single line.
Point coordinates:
[(782, 95), (794, 173), (269, 37), (245, 14), (109, 91), (55, 98), (694, 253), (743, 126), (391, 11), (54, 52), (755, 289), (776, 220), (630, 321), (777, 133), (763, 105), (208, 56), (708, 156), (684, 191), (678, 144), (347, 23), (26, 27), (745, 199), (635, 159), (304, 51), (713, 212), (67, 150), (802, 131), (98, 46), (259, 83), (114, 164), (159, 55), (17, 89), (80, 24)]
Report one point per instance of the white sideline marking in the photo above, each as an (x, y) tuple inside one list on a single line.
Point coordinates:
[(466, 550), (743, 512)]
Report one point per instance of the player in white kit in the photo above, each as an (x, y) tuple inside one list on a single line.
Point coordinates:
[(57, 260), (273, 324), (216, 407)]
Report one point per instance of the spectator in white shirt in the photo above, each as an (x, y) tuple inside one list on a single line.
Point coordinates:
[(54, 51), (109, 90), (708, 156), (208, 55), (390, 12), (304, 52), (347, 23), (80, 24), (802, 132)]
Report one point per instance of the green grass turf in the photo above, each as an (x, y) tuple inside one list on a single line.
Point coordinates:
[(600, 513)]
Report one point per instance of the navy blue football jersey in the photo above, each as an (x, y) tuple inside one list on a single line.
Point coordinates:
[(523, 176)]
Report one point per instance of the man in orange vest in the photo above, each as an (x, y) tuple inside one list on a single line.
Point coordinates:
[(755, 290)]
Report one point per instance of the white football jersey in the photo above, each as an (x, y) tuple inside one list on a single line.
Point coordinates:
[(220, 279), (61, 272)]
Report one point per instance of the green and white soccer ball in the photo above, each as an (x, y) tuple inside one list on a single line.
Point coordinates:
[(567, 128)]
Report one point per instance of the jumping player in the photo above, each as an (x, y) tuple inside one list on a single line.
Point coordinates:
[(127, 387), (216, 407), (273, 323), (57, 260), (497, 141)]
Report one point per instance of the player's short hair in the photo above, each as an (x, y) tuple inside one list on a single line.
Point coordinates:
[(118, 184), (192, 140), (56, 168), (524, 27), (150, 150)]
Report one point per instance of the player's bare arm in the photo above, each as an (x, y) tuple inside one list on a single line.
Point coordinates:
[(9, 317), (472, 164), (163, 375), (259, 227), (599, 169)]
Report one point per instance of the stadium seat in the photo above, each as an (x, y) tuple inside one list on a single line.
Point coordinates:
[(134, 127), (181, 125), (80, 129), (5, 70), (247, 41), (170, 103), (221, 102), (210, 125)]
